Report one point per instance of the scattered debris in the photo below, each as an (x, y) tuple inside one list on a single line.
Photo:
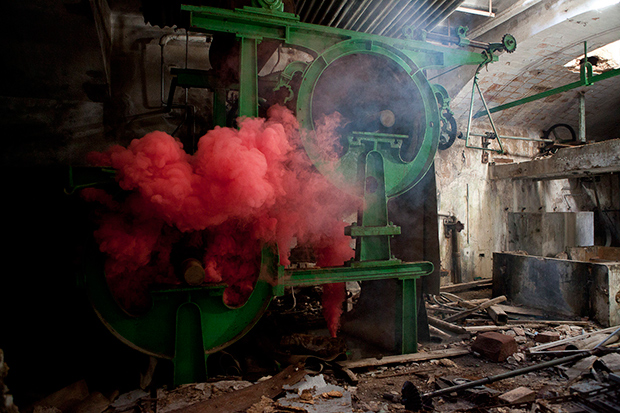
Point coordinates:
[(494, 346), (246, 397), (532, 363)]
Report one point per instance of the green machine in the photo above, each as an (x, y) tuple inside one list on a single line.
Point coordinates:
[(396, 121)]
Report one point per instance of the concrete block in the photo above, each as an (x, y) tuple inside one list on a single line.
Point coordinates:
[(494, 346), (518, 395)]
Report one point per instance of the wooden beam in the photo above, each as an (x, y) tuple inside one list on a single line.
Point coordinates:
[(404, 358), (479, 307), (454, 288), (498, 315)]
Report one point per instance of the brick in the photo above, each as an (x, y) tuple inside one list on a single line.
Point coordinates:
[(547, 337), (518, 395), (494, 346)]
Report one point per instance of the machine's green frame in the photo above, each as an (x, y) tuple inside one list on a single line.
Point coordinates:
[(186, 324)]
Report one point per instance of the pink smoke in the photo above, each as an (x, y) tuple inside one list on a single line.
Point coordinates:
[(242, 188)]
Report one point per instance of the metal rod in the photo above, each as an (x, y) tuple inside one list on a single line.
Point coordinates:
[(402, 18), (357, 14), (344, 13), (304, 18), (520, 138), (582, 116), (386, 11), (506, 375), (358, 26), (397, 15), (329, 9), (335, 14)]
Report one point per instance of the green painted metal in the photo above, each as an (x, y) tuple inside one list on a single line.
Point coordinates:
[(186, 324)]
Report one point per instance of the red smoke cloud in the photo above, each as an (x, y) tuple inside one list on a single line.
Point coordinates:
[(242, 188)]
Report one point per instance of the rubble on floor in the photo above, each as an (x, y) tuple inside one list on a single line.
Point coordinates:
[(480, 361)]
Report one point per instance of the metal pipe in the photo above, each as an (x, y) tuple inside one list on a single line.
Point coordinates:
[(395, 29), (368, 15), (317, 10), (433, 13), (582, 116), (422, 14), (502, 376), (304, 18), (336, 13), (406, 5), (386, 11), (328, 9), (344, 13), (520, 138), (357, 14)]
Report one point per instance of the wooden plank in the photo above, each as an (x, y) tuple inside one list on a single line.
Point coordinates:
[(482, 306), (404, 358), (555, 322), (243, 399), (441, 324), (453, 288), (520, 310), (498, 315), (481, 329)]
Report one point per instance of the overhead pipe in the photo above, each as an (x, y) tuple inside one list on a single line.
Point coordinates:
[(446, 13), (357, 14), (386, 12), (411, 8), (304, 18), (335, 14), (419, 18), (344, 13), (385, 24), (411, 19), (317, 10), (359, 24)]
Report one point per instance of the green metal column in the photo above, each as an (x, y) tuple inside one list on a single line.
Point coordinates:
[(374, 213), (190, 360), (409, 314), (219, 107), (248, 77)]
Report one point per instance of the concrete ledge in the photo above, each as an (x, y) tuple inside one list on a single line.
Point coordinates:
[(591, 159)]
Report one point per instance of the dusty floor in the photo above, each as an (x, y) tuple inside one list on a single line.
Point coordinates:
[(282, 340)]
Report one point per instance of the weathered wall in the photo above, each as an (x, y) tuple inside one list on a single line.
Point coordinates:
[(464, 190), (549, 34)]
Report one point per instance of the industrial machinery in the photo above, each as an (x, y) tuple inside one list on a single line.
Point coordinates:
[(396, 119)]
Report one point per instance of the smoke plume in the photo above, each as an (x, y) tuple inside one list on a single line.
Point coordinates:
[(241, 189)]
